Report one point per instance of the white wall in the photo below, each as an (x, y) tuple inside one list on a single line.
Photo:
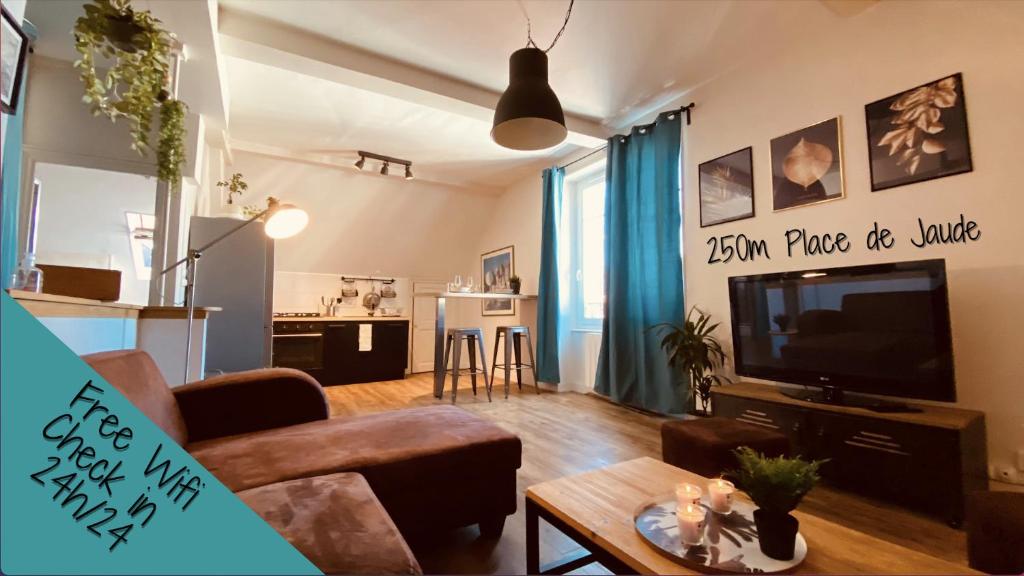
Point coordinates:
[(82, 221), (385, 226), (833, 71), (891, 47)]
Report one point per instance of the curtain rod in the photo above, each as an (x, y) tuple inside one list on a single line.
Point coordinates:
[(681, 109)]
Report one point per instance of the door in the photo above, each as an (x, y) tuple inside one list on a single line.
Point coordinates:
[(424, 317)]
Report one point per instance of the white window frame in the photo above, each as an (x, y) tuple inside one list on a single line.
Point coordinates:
[(592, 175)]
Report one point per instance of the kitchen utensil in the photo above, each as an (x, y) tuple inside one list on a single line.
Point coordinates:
[(348, 289), (387, 290), (328, 303), (371, 300)]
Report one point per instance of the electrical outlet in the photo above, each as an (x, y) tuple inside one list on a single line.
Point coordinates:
[(1006, 474)]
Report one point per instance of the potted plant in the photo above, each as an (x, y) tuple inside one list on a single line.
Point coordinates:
[(782, 321), (138, 50), (515, 283), (692, 348), (776, 485)]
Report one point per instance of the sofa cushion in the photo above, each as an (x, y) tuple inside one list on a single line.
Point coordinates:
[(336, 522), (136, 376), (386, 447)]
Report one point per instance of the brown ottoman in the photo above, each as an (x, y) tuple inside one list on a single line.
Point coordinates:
[(336, 522), (705, 445), (995, 532)]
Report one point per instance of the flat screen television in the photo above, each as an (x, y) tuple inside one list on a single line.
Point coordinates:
[(878, 329)]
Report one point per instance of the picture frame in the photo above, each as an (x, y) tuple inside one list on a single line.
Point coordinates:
[(497, 267), (13, 52), (726, 188), (919, 134), (807, 166)]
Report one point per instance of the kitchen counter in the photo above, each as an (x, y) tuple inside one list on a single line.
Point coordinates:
[(342, 319)]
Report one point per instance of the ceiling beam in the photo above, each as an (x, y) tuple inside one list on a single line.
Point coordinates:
[(270, 43)]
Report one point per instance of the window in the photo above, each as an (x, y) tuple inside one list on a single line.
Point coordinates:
[(587, 209), (140, 237)]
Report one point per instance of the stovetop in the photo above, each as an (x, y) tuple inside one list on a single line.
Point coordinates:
[(296, 314)]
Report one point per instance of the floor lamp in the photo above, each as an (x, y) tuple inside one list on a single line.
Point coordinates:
[(282, 221)]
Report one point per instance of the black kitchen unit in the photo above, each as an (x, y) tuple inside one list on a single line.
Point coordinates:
[(329, 349)]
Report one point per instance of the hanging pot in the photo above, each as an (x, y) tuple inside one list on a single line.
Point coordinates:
[(125, 34), (776, 533)]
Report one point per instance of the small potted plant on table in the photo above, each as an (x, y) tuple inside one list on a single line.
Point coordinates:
[(515, 283), (776, 485)]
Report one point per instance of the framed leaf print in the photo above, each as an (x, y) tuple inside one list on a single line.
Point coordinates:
[(919, 134)]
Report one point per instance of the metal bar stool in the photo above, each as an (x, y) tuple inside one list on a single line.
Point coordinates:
[(472, 336), (514, 344)]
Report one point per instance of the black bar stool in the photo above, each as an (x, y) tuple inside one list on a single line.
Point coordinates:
[(472, 336), (514, 343)]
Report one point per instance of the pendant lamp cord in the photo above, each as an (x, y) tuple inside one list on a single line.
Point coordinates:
[(529, 36)]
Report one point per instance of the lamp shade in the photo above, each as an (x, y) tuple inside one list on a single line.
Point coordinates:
[(529, 115), (285, 221)]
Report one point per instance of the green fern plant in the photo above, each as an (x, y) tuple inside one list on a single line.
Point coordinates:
[(693, 349), (776, 485)]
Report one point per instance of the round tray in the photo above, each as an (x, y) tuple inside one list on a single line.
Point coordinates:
[(730, 540)]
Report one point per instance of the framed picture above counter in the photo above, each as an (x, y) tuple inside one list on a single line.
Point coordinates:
[(498, 267)]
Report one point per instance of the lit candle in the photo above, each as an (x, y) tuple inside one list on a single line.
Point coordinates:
[(721, 492), (691, 524), (688, 494)]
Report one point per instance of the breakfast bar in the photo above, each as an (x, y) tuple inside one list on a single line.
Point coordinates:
[(439, 324)]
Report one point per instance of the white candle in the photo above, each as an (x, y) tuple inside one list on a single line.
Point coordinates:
[(721, 492), (688, 494), (691, 524)]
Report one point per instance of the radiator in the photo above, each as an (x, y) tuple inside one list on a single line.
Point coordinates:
[(591, 351)]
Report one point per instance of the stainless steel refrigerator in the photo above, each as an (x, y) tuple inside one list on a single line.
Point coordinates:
[(238, 276)]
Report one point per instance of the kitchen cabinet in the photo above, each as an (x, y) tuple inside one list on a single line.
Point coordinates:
[(345, 363)]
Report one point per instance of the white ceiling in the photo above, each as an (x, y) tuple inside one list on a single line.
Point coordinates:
[(418, 79), (616, 63)]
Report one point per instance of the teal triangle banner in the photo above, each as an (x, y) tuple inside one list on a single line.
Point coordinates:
[(85, 488)]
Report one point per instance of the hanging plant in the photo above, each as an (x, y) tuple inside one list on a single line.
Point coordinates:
[(139, 50)]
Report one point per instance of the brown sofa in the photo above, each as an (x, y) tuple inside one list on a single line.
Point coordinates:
[(267, 435)]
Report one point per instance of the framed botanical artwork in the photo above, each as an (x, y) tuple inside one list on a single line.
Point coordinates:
[(498, 268), (807, 166), (727, 188), (919, 134), (13, 50)]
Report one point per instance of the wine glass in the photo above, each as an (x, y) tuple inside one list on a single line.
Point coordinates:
[(469, 283)]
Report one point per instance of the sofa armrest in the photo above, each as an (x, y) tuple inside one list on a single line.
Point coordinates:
[(250, 401)]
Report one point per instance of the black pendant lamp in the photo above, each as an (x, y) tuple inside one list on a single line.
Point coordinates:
[(529, 115)]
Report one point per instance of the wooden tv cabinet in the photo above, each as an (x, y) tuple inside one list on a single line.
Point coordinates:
[(926, 460)]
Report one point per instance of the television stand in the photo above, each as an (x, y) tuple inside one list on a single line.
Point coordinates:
[(926, 459), (835, 396)]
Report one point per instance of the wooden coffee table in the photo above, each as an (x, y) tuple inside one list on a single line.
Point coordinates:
[(596, 510)]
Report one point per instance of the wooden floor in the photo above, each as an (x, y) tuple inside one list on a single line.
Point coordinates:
[(568, 433)]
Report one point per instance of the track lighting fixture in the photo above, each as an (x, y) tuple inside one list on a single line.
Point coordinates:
[(385, 163)]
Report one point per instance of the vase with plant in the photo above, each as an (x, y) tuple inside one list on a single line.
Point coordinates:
[(776, 485), (234, 185), (693, 349), (138, 51), (782, 321), (515, 284)]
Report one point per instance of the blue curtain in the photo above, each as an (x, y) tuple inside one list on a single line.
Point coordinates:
[(643, 267), (10, 187), (548, 301)]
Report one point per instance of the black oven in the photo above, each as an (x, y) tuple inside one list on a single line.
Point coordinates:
[(299, 345)]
